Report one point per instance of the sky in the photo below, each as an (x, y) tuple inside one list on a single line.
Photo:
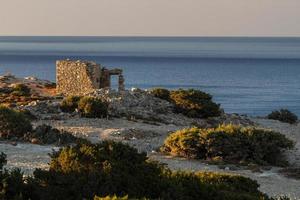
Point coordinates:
[(150, 17)]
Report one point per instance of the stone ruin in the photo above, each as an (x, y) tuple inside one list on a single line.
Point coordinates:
[(82, 77)]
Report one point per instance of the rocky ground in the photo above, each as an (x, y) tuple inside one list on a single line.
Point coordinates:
[(149, 137), (144, 122)]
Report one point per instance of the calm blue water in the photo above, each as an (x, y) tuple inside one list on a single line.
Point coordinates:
[(246, 75)]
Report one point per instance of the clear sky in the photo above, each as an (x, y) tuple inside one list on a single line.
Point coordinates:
[(150, 17)]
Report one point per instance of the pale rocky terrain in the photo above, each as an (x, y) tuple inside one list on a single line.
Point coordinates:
[(144, 122), (149, 138)]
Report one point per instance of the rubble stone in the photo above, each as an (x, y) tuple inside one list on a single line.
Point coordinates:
[(80, 77)]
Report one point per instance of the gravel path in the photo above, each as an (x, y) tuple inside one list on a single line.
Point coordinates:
[(27, 156)]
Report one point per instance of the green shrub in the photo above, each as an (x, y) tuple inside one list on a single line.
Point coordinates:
[(21, 90), (69, 104), (2, 160), (86, 170), (13, 123), (195, 103), (92, 107), (108, 168), (12, 184), (116, 198), (29, 115), (230, 143), (283, 115), (291, 172), (111, 198), (210, 185), (161, 93), (50, 85), (44, 134)]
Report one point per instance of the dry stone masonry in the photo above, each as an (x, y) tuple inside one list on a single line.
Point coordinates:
[(82, 77)]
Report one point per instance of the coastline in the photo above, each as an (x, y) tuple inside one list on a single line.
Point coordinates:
[(147, 134)]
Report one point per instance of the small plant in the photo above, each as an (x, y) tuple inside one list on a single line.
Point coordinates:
[(229, 143), (29, 115), (50, 85), (13, 123), (70, 104), (92, 107), (161, 93), (21, 90), (111, 198), (283, 115), (291, 172), (2, 161), (195, 103), (44, 134)]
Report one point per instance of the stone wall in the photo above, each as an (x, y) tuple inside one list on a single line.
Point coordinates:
[(77, 77)]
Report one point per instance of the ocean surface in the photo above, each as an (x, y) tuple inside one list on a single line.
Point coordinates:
[(245, 75)]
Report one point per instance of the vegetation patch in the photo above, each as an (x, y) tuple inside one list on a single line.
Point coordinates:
[(108, 168), (195, 103), (283, 115), (16, 126), (12, 186), (116, 198), (13, 123), (21, 90), (45, 134), (87, 106), (229, 143), (291, 172), (20, 94), (69, 104), (115, 171), (161, 93), (50, 85), (92, 107), (192, 103)]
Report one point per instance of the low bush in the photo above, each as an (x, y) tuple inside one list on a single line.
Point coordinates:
[(195, 103), (50, 85), (116, 198), (13, 123), (161, 93), (70, 104), (108, 168), (86, 170), (21, 90), (283, 115), (291, 172), (87, 106), (229, 143), (44, 134), (12, 186), (29, 115), (92, 107), (192, 103), (2, 160)]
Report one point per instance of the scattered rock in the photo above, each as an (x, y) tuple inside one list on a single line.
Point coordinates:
[(35, 141), (13, 143)]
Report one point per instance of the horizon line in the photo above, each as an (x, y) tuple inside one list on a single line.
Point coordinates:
[(149, 36)]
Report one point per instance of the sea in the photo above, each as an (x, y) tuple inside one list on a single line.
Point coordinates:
[(246, 75)]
